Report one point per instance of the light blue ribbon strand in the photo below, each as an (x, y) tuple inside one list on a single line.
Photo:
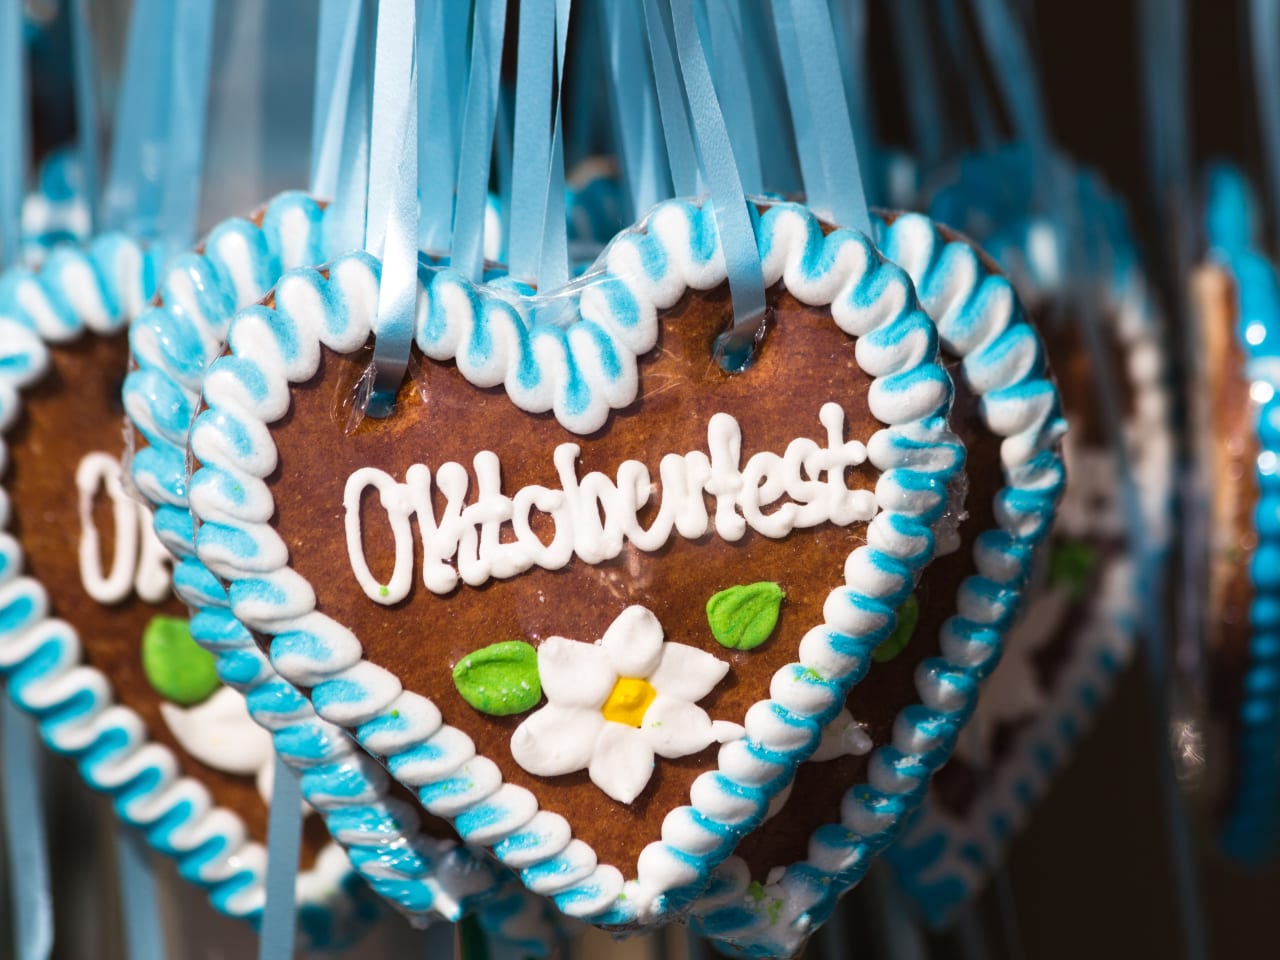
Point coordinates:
[(336, 36), (553, 267), (734, 216), (25, 834), (981, 112), (133, 196), (918, 69), (477, 138), (391, 230), (284, 844), (1264, 31), (143, 934), (345, 224), (834, 183), (681, 156), (83, 64), (531, 146), (1163, 29), (732, 73), (849, 19), (13, 130), (779, 165), (441, 90), (188, 106), (1015, 76), (634, 108)]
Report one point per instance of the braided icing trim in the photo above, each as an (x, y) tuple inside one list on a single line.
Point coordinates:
[(941, 860), (579, 367), (170, 347), (97, 290), (979, 319)]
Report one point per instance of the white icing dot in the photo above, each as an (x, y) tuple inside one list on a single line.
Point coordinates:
[(1267, 462), (1255, 333), (1261, 392)]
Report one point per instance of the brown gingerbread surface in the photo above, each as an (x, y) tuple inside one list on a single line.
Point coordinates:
[(1229, 424), (74, 410), (805, 361)]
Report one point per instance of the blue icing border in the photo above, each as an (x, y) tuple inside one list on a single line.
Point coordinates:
[(581, 368), (97, 290), (980, 320), (1251, 828), (941, 860), (171, 346)]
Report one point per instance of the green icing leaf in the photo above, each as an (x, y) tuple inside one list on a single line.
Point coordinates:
[(896, 642), (500, 679), (1071, 565), (742, 617), (177, 668)]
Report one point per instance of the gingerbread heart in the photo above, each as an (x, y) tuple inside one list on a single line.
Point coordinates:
[(93, 639), (425, 877), (1079, 624), (1236, 295), (852, 796), (624, 555)]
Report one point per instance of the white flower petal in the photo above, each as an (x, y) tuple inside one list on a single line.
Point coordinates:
[(575, 674), (556, 740), (220, 733), (634, 642), (687, 673), (623, 762), (676, 728)]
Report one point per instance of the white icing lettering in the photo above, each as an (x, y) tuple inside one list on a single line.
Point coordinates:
[(595, 516), (139, 561)]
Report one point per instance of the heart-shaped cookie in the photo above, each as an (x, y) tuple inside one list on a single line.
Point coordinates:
[(171, 345), (627, 492), (93, 640), (850, 798), (1236, 297), (1078, 627)]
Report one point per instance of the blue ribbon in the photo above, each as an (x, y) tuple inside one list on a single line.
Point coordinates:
[(731, 72), (681, 156), (144, 938), (849, 19), (832, 178), (284, 843), (83, 63), (345, 224), (553, 268), (441, 90), (981, 111), (734, 216), (1015, 76), (337, 34), (13, 130), (25, 833), (1163, 28), (635, 108), (531, 147), (779, 164), (1264, 30), (391, 229), (477, 138), (918, 69), (133, 198), (192, 46)]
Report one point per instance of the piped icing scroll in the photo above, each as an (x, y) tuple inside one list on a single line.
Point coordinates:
[(581, 367), (847, 806), (86, 583), (426, 876), (1079, 624)]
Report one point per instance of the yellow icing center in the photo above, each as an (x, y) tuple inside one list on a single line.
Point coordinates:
[(628, 701)]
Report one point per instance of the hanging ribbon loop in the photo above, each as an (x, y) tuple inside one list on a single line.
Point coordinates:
[(14, 134)]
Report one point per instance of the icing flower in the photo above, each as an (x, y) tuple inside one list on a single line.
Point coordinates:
[(613, 705)]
